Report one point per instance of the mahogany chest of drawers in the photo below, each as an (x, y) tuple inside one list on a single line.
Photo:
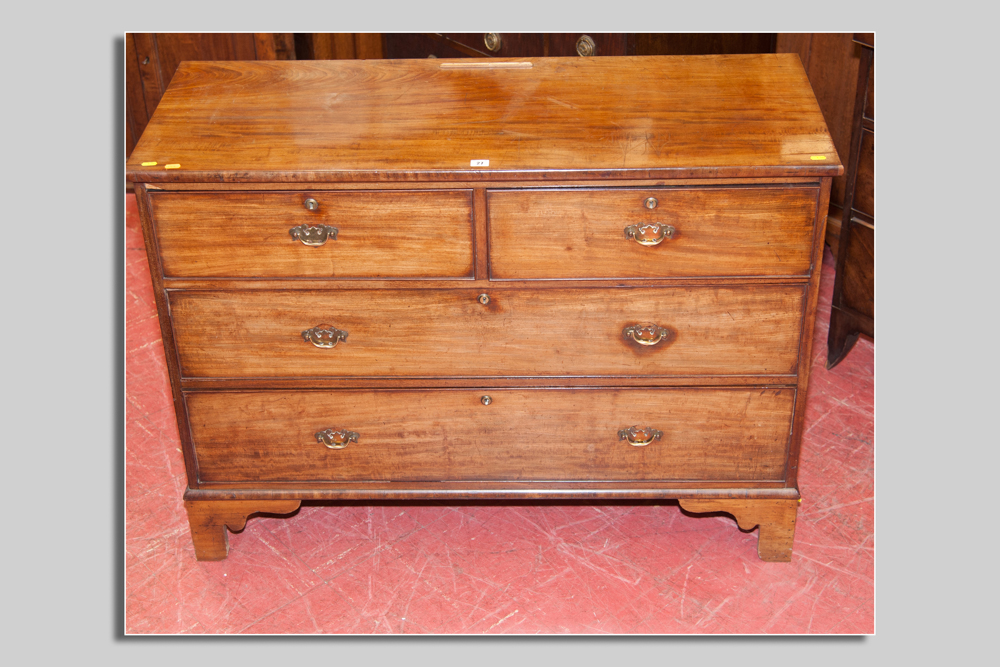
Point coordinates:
[(542, 278)]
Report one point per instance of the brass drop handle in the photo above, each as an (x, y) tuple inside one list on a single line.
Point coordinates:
[(313, 236), (324, 335), (585, 46), (639, 437), (652, 233), (336, 439), (645, 334), (492, 41)]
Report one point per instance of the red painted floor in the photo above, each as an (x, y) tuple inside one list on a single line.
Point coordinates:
[(521, 569)]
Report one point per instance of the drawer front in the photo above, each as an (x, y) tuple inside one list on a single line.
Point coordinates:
[(379, 234), (717, 231), (745, 330), (533, 434), (502, 44)]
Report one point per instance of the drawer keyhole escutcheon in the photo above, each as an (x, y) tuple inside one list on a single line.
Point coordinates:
[(484, 299), (313, 236), (312, 205), (336, 439), (646, 334), (639, 437), (324, 336), (650, 202), (486, 400), (650, 234)]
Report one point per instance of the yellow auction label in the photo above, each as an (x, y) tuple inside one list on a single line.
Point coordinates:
[(818, 157), (171, 166), (148, 164)]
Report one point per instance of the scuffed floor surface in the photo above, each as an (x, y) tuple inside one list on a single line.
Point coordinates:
[(491, 568)]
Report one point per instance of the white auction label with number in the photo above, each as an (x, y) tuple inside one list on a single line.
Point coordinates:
[(479, 163)]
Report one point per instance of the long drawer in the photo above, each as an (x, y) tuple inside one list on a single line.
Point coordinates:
[(741, 330), (393, 234), (651, 232), (525, 434)]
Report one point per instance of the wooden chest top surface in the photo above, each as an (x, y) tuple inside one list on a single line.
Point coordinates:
[(427, 120)]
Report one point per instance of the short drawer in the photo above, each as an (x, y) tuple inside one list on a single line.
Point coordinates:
[(389, 234), (689, 231), (741, 330), (531, 434)]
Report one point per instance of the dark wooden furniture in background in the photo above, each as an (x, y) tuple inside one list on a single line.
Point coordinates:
[(152, 58), (484, 281), (338, 45), (831, 62), (854, 290), (536, 45)]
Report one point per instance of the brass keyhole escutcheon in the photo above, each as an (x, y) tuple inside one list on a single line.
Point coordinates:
[(311, 204), (650, 202), (486, 400), (484, 299)]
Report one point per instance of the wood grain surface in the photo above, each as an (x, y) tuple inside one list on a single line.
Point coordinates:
[(752, 330), (864, 186), (543, 434), (596, 491), (209, 519), (776, 519), (853, 301), (717, 116), (748, 231), (858, 282), (380, 234), (530, 184)]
